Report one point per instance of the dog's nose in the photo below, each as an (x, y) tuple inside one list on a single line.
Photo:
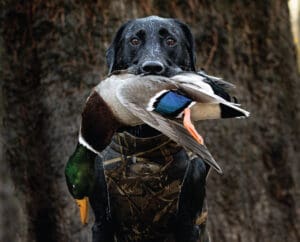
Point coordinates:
[(153, 67)]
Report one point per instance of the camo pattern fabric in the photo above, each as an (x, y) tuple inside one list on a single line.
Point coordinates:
[(144, 184)]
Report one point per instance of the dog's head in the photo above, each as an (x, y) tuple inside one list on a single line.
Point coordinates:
[(152, 45)]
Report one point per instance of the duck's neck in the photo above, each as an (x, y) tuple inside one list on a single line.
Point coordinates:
[(98, 123)]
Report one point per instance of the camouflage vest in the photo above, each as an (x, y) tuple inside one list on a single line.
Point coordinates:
[(144, 177)]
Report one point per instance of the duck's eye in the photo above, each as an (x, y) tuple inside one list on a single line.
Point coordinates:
[(170, 42), (135, 41)]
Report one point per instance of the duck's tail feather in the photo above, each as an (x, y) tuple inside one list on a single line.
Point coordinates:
[(230, 110)]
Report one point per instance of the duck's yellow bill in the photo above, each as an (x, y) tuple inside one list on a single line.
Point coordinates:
[(187, 123), (83, 208)]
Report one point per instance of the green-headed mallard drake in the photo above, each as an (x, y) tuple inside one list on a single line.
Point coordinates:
[(169, 105)]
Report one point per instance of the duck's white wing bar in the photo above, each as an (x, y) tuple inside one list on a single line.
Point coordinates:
[(150, 106)]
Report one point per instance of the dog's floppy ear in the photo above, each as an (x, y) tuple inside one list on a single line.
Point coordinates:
[(112, 50), (190, 43)]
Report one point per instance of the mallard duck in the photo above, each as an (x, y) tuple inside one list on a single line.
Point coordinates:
[(170, 105)]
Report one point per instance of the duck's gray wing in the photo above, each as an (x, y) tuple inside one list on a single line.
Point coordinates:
[(168, 127)]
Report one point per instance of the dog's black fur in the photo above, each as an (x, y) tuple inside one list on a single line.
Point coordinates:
[(158, 46)]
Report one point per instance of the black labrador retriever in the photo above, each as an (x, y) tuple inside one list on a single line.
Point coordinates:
[(152, 45), (159, 46)]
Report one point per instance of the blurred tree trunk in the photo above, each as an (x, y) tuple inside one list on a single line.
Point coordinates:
[(54, 53)]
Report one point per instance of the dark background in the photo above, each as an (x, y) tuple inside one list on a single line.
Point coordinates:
[(53, 52)]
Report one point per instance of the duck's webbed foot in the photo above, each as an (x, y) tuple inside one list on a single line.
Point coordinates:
[(102, 229), (187, 123), (190, 206)]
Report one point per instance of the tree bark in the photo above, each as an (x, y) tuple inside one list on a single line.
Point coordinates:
[(54, 53)]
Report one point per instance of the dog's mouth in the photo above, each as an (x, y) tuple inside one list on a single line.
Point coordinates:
[(168, 72), (133, 69)]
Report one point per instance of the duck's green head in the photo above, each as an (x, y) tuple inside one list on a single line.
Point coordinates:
[(80, 172)]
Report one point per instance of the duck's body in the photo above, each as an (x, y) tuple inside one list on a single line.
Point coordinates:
[(128, 100), (166, 104)]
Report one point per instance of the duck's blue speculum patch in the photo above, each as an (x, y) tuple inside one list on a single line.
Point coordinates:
[(171, 103)]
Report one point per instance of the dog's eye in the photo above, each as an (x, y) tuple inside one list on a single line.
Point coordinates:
[(170, 42), (135, 41)]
